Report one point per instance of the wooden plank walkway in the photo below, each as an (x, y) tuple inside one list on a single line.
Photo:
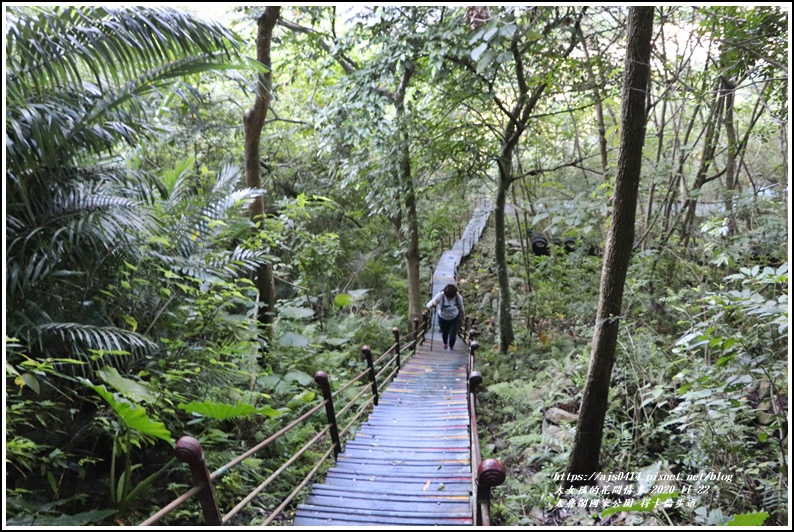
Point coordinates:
[(447, 267), (410, 462)]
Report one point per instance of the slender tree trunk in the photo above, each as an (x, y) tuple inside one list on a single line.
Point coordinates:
[(518, 118), (577, 145), (253, 121), (412, 256), (522, 231), (584, 459), (506, 336), (602, 130), (677, 177), (731, 173), (783, 143), (659, 143), (706, 158)]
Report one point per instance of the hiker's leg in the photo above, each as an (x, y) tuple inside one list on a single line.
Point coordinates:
[(444, 325), (453, 331)]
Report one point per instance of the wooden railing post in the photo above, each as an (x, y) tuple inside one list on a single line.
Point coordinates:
[(472, 352), (425, 322), (474, 382), (396, 332), (189, 450), (321, 378), (490, 473), (368, 355), (416, 334)]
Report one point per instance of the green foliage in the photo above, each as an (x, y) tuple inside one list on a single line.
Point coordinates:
[(132, 417), (748, 519), (221, 411)]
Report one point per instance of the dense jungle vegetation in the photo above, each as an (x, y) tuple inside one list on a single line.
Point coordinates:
[(199, 216)]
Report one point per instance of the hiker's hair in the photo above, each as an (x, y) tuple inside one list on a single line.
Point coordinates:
[(450, 290)]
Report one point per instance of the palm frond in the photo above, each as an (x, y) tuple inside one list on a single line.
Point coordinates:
[(84, 336), (106, 46), (74, 75)]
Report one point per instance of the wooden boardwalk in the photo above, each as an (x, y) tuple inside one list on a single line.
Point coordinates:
[(410, 462)]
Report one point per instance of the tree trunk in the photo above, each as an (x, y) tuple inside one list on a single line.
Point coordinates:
[(706, 158), (584, 459), (506, 336), (677, 176), (731, 173), (783, 143), (412, 256), (517, 120), (602, 130), (253, 120)]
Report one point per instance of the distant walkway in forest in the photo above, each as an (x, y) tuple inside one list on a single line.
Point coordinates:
[(447, 267)]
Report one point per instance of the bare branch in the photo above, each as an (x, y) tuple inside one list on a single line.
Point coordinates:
[(347, 64), (539, 171)]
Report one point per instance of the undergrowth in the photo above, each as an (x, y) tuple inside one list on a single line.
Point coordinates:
[(698, 390)]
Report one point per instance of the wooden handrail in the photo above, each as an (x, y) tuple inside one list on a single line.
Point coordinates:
[(189, 449)]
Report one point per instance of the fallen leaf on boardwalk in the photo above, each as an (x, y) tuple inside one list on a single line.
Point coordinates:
[(441, 487), (427, 485)]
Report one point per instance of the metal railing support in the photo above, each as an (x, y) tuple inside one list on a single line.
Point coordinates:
[(368, 356), (189, 450), (396, 332), (321, 378), (474, 382), (490, 473), (472, 352)]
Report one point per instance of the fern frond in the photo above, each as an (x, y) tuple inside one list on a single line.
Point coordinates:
[(96, 337)]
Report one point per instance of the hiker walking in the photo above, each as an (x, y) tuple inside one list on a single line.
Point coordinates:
[(449, 303)]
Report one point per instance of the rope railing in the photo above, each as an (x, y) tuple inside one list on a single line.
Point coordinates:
[(248, 498), (189, 450)]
